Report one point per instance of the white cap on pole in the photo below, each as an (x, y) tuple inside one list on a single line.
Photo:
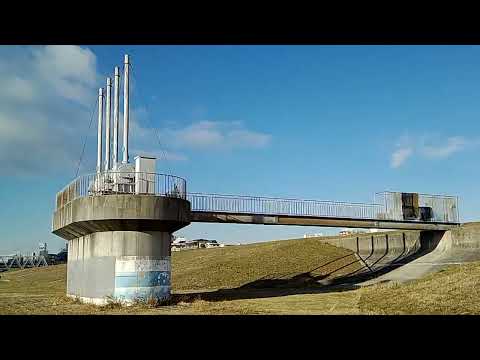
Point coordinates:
[(125, 110), (108, 104), (99, 135), (116, 106)]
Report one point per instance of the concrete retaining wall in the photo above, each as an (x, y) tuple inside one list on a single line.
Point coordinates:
[(408, 255), (382, 252), (466, 236), (457, 246)]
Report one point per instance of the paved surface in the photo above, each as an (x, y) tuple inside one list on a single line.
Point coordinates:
[(456, 247)]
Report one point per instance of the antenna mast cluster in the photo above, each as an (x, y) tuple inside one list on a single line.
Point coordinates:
[(112, 162)]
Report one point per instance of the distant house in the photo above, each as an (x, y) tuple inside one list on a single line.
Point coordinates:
[(178, 244), (211, 244), (179, 239), (193, 244), (305, 236), (201, 243), (351, 232)]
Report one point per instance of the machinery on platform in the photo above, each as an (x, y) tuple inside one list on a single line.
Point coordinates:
[(417, 207)]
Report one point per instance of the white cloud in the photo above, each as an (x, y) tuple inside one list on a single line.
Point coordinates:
[(202, 135), (452, 145), (216, 134), (146, 141), (399, 156), (46, 95), (18, 88), (69, 70), (429, 147), (249, 138), (167, 155), (18, 130)]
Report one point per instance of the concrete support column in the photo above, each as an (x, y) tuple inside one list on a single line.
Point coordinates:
[(120, 265), (119, 245)]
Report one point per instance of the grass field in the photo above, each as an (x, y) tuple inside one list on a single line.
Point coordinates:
[(281, 277)]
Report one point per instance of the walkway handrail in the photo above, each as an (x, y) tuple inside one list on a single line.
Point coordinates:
[(275, 198), (444, 209), (280, 206), (110, 183)]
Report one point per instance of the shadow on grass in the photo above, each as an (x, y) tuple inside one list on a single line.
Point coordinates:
[(276, 285)]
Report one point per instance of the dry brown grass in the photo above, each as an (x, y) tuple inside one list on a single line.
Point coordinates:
[(276, 263), (453, 291)]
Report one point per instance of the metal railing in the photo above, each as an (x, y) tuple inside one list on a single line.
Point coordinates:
[(277, 206), (22, 261), (107, 183), (444, 209), (387, 206)]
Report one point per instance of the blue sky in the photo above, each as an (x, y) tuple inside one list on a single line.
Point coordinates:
[(317, 122)]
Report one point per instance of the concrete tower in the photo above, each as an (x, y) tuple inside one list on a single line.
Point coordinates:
[(119, 228)]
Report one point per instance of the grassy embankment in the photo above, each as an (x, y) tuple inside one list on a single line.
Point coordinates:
[(280, 277)]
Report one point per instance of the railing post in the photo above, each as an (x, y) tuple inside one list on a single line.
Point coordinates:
[(458, 210)]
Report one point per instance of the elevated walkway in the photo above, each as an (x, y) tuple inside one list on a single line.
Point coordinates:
[(274, 211)]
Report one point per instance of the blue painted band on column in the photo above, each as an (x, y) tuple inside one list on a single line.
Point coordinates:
[(142, 279), (131, 293)]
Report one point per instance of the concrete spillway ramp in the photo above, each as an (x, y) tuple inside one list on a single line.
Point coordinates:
[(407, 255), (454, 247)]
